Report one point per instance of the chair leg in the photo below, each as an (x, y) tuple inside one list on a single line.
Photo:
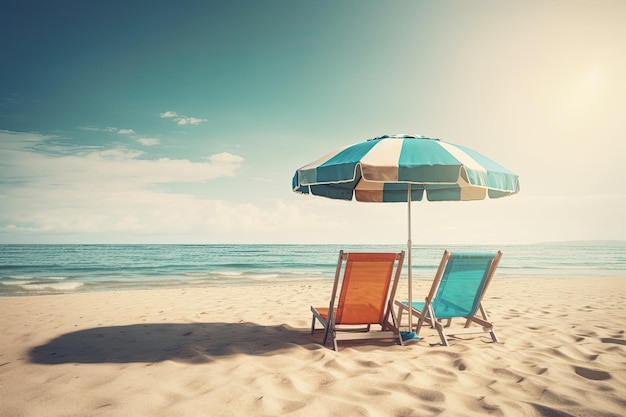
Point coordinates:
[(330, 332), (313, 325), (394, 326), (326, 329), (442, 335), (400, 312), (418, 326), (493, 336), (486, 318), (425, 316)]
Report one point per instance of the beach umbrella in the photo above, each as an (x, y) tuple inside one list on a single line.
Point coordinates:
[(405, 168)]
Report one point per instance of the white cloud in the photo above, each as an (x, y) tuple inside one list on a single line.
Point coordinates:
[(97, 191), (224, 158), (168, 115), (180, 119), (112, 154), (189, 121), (148, 141), (109, 129), (145, 141)]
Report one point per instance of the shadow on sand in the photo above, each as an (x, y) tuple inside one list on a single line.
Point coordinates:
[(184, 342)]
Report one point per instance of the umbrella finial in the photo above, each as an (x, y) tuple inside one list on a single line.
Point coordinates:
[(403, 136)]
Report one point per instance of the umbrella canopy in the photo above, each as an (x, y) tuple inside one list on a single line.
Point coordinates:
[(380, 170), (404, 168)]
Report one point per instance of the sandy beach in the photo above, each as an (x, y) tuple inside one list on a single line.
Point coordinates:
[(247, 351)]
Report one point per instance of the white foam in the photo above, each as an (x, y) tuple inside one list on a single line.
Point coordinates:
[(231, 273), (212, 274), (263, 276), (28, 278), (16, 282), (197, 274), (21, 277), (63, 286)]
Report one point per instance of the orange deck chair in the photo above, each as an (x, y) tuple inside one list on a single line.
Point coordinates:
[(366, 297)]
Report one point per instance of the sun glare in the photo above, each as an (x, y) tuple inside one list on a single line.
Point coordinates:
[(591, 82)]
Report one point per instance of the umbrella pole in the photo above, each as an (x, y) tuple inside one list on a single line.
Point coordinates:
[(409, 245)]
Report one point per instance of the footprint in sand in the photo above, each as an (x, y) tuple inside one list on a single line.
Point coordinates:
[(460, 364), (549, 411), (368, 364), (593, 374), (613, 340)]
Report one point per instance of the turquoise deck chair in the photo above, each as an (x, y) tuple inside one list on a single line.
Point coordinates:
[(457, 292)]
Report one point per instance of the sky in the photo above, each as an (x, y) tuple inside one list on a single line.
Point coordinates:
[(184, 122)]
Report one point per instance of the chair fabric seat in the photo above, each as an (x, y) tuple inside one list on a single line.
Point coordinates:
[(357, 314), (442, 312)]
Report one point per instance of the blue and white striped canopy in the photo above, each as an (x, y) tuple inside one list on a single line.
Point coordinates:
[(381, 170)]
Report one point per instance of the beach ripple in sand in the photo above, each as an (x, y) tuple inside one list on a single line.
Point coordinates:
[(613, 340), (550, 412), (594, 374)]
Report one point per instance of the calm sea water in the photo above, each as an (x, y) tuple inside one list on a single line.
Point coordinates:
[(51, 269)]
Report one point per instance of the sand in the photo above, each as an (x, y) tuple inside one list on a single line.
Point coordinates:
[(247, 351)]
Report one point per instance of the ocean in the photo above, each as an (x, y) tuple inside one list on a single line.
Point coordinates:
[(54, 269)]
